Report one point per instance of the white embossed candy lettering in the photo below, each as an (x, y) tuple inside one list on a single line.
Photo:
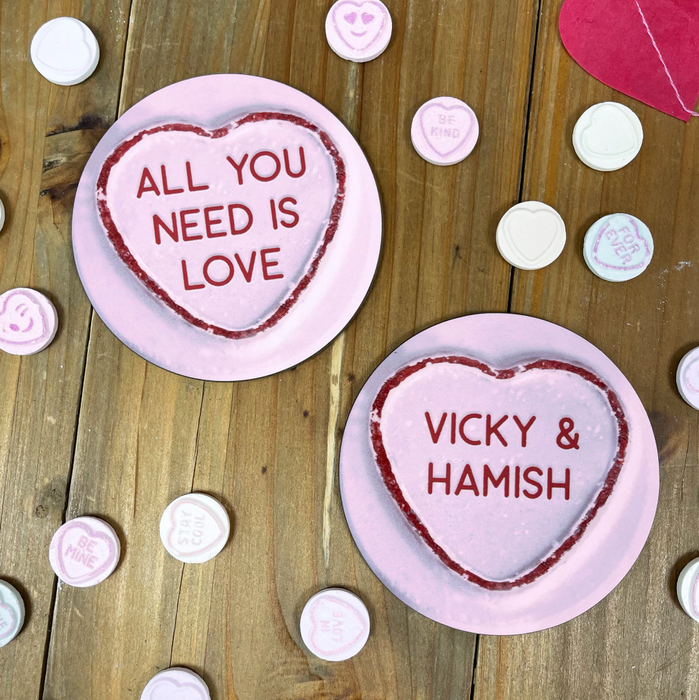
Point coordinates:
[(688, 378), (607, 136), (65, 51), (28, 321), (688, 589), (618, 247), (84, 551), (531, 235), (11, 613), (358, 31), (444, 131), (335, 624), (176, 684), (194, 528)]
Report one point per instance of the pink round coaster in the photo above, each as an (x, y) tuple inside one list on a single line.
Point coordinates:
[(499, 474), (84, 551), (227, 227), (28, 321)]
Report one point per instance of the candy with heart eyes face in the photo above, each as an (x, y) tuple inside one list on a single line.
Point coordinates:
[(176, 684), (28, 321), (11, 613), (358, 31)]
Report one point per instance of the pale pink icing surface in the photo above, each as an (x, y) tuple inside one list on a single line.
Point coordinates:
[(496, 537), (338, 285)]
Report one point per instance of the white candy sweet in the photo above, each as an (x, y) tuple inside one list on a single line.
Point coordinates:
[(2, 214), (28, 321), (11, 613), (688, 378), (607, 136), (335, 624), (65, 51), (531, 235), (358, 31), (688, 589), (176, 683), (618, 247), (194, 528)]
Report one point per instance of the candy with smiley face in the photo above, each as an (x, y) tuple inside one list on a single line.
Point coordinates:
[(28, 321), (358, 31)]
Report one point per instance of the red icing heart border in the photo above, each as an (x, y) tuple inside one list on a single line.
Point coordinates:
[(389, 479), (127, 257)]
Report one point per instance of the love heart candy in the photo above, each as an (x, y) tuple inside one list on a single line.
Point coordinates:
[(84, 551), (194, 528), (28, 321), (176, 684), (11, 612), (618, 247), (531, 235), (607, 136), (688, 589), (444, 130), (358, 31), (2, 214), (65, 51), (688, 378), (335, 624)]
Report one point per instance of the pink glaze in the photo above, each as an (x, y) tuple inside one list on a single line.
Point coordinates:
[(501, 563), (201, 293)]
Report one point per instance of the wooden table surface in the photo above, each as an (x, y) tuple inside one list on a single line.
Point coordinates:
[(87, 427)]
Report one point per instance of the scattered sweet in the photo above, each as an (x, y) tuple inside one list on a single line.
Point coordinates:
[(607, 136), (444, 130), (2, 214), (194, 528), (65, 51), (176, 683), (28, 321), (531, 235), (11, 612), (358, 31), (618, 247), (688, 378), (84, 551), (688, 589), (335, 624)]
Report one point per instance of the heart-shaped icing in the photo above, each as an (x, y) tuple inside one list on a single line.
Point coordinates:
[(194, 529), (359, 24), (168, 689), (82, 560), (620, 246), (64, 47), (336, 626), (173, 225), (445, 128), (8, 619), (22, 320), (532, 233), (518, 508), (610, 134)]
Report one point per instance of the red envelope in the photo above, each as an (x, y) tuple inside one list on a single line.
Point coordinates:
[(647, 49)]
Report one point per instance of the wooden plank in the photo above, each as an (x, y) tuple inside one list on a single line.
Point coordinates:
[(146, 436), (46, 135), (637, 643)]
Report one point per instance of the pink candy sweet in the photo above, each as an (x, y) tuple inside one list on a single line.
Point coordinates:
[(28, 321), (176, 684), (358, 31)]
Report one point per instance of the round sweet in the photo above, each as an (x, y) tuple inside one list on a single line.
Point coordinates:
[(607, 136), (2, 214), (227, 227), (335, 624), (28, 321), (444, 130), (358, 31), (84, 551), (176, 683), (688, 378), (531, 235), (65, 51), (194, 528), (11, 612), (488, 477), (618, 247), (688, 589)]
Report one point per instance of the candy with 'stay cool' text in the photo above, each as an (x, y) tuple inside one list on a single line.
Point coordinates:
[(176, 683), (84, 551), (618, 247), (358, 31), (195, 528), (444, 130), (11, 612), (335, 624), (28, 321)]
